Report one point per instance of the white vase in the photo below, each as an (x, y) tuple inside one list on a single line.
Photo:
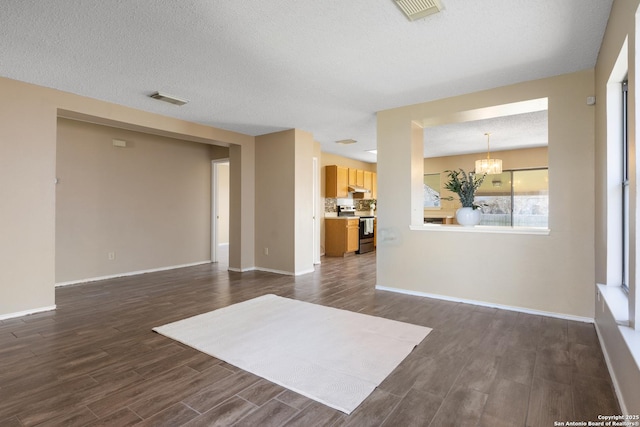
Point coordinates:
[(468, 217)]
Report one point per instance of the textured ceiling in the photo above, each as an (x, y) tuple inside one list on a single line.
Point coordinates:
[(526, 130), (259, 66)]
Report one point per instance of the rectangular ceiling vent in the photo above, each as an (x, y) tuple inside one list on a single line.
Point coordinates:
[(417, 9), (168, 98)]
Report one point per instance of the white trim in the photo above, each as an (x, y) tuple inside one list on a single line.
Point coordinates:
[(487, 304), (482, 229), (214, 206), (286, 273), (614, 380), (131, 273), (617, 301), (27, 312), (300, 273), (241, 270)]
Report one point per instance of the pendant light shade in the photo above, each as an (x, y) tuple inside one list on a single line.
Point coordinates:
[(488, 166)]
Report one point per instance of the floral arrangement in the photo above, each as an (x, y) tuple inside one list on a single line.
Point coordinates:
[(464, 185)]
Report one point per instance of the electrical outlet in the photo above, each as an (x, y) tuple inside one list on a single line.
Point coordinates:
[(266, 251), (111, 255)]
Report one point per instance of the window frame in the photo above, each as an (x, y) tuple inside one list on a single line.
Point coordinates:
[(625, 188), (512, 194)]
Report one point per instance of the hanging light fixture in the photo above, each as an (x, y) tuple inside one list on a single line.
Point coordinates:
[(488, 166)]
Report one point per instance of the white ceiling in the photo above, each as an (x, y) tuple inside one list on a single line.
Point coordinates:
[(259, 66), (526, 130)]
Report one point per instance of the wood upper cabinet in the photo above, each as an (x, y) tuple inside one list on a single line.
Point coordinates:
[(374, 185), (338, 179), (368, 184), (352, 176), (341, 236), (336, 184)]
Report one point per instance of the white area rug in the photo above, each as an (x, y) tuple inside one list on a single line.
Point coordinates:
[(336, 357)]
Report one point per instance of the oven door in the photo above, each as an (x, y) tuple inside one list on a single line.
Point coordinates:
[(366, 236)]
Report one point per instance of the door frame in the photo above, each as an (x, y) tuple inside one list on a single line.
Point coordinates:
[(215, 207)]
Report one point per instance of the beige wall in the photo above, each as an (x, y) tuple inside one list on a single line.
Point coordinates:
[(27, 216), (284, 221), (520, 271), (28, 122), (147, 203), (625, 371), (275, 186), (511, 159)]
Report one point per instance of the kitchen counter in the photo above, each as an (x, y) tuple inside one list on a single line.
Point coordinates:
[(350, 217)]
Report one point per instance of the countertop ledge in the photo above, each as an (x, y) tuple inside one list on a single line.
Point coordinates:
[(481, 229)]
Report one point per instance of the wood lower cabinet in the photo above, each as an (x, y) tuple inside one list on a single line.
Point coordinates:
[(375, 232), (341, 236)]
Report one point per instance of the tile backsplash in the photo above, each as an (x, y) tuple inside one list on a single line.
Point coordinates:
[(331, 205)]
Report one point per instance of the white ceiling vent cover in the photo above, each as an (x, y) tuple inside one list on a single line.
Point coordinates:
[(160, 96), (416, 9), (346, 141)]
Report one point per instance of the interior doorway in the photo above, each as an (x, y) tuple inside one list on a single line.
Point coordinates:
[(220, 211)]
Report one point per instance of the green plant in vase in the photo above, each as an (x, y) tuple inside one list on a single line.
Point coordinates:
[(464, 185)]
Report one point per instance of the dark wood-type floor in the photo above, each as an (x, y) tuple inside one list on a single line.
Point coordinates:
[(95, 361)]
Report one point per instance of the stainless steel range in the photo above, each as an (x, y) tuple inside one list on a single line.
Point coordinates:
[(346, 210), (365, 230), (366, 235)]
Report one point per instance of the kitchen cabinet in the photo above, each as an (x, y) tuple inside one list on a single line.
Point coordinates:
[(369, 182), (338, 179), (374, 185), (341, 236), (336, 184), (375, 232), (353, 179)]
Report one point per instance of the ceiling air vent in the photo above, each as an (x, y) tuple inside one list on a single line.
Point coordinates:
[(168, 98), (416, 9)]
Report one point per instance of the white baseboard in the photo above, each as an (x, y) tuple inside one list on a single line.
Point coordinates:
[(270, 270), (130, 273), (486, 304), (27, 312), (614, 380), (241, 270)]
